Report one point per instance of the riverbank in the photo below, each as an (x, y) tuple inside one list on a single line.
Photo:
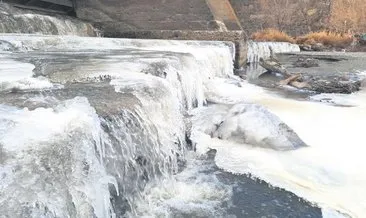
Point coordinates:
[(314, 41)]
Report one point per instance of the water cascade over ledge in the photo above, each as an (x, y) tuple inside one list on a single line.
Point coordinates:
[(14, 20), (95, 127), (257, 50), (93, 135)]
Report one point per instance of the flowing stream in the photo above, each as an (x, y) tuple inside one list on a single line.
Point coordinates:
[(328, 172), (14, 20), (94, 127), (257, 50)]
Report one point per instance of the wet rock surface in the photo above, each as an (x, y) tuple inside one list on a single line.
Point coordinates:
[(314, 47), (306, 62), (334, 85), (247, 124), (253, 124), (319, 72), (101, 96)]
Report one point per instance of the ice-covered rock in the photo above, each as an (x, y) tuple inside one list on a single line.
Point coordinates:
[(248, 124), (255, 125)]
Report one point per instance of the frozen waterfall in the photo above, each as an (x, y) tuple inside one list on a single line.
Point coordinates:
[(257, 50)]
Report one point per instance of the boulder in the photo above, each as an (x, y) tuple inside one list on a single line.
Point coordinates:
[(313, 47), (255, 125), (335, 85), (306, 62), (318, 47), (272, 65), (305, 47)]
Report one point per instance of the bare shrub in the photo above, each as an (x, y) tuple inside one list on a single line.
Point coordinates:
[(295, 16), (272, 35), (278, 12), (326, 38), (348, 15)]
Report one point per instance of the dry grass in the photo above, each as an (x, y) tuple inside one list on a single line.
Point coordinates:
[(326, 38), (272, 35)]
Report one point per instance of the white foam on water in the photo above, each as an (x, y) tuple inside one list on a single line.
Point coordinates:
[(48, 162), (165, 82), (329, 173), (191, 193), (14, 70), (329, 213), (350, 100), (15, 20), (19, 75)]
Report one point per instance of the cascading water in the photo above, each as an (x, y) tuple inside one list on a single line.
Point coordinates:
[(15, 20), (129, 120), (327, 172), (93, 127), (49, 162), (257, 50)]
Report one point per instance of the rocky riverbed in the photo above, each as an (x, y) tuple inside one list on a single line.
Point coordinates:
[(326, 72)]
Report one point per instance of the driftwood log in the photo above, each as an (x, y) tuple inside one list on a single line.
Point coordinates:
[(335, 84), (290, 79), (272, 65)]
